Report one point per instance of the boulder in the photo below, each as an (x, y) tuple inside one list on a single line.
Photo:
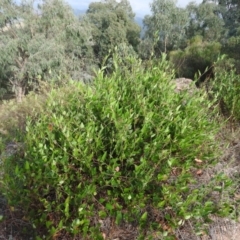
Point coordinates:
[(184, 84)]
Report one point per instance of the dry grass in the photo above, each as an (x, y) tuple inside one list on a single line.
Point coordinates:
[(13, 115)]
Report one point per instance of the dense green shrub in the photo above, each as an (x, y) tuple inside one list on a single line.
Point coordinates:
[(231, 49), (195, 58), (112, 149), (226, 88)]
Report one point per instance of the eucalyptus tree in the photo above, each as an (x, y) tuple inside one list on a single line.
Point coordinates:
[(206, 20), (112, 25), (231, 15), (166, 26), (40, 44)]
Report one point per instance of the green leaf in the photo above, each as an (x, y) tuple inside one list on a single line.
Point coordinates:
[(109, 206), (48, 224), (102, 214), (187, 217), (16, 170), (119, 217), (144, 217), (66, 209), (27, 166), (218, 188)]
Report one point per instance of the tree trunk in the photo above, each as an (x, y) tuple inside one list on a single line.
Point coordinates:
[(19, 93), (165, 44)]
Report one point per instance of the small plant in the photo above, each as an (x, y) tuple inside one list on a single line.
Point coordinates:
[(114, 149)]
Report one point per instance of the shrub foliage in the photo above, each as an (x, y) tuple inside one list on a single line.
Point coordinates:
[(112, 149), (225, 88)]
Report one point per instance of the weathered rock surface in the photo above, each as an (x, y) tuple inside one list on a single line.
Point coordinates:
[(184, 84)]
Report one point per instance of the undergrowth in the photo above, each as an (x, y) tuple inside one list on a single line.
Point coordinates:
[(225, 88)]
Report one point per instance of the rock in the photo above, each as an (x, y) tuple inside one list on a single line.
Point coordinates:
[(184, 84), (11, 148)]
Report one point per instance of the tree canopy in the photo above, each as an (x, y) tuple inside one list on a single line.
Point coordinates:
[(166, 26), (41, 44), (205, 20), (49, 42), (112, 24)]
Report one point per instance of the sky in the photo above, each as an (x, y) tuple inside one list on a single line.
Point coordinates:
[(140, 7)]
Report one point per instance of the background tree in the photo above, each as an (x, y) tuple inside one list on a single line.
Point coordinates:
[(231, 16), (166, 26), (230, 10), (112, 24), (206, 21), (41, 45), (206, 34)]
